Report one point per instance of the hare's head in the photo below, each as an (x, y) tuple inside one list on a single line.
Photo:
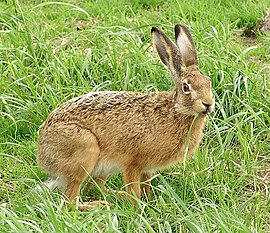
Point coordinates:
[(193, 92)]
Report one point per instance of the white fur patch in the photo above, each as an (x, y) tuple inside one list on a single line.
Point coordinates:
[(52, 184), (183, 43), (104, 168)]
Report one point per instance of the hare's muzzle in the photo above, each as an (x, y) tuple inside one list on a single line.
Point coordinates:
[(208, 108)]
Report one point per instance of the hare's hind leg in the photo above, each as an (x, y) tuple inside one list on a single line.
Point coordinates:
[(82, 163), (69, 152)]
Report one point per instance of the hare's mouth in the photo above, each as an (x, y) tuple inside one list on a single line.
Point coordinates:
[(204, 114), (207, 109)]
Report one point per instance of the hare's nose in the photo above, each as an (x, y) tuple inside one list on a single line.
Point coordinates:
[(207, 106)]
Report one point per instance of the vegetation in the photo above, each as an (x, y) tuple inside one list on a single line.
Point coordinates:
[(52, 51)]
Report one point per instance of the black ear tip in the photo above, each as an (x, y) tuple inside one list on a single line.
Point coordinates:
[(177, 29), (154, 29)]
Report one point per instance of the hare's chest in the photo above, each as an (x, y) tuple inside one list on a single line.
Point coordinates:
[(170, 149)]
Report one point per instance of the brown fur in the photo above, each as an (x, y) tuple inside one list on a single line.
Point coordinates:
[(101, 133)]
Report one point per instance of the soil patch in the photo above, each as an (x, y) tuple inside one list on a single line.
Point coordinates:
[(263, 26)]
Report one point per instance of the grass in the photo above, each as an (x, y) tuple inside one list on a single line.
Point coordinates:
[(50, 52)]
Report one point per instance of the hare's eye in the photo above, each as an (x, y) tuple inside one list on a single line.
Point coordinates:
[(186, 88)]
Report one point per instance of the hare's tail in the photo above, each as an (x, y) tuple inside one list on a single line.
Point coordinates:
[(52, 183)]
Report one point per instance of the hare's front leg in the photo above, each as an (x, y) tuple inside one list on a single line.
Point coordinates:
[(146, 182), (96, 182), (132, 177)]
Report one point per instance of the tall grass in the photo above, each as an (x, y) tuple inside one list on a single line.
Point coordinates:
[(52, 51)]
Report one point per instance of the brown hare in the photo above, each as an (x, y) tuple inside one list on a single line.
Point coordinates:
[(102, 133)]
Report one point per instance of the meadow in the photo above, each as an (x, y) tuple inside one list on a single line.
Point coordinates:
[(53, 51)]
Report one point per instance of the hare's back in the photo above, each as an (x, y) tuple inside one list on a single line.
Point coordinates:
[(94, 107)]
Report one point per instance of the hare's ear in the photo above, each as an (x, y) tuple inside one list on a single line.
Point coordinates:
[(186, 45), (167, 51)]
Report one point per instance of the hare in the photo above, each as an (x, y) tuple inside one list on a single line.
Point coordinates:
[(102, 133)]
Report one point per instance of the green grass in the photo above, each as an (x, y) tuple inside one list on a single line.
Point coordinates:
[(50, 52)]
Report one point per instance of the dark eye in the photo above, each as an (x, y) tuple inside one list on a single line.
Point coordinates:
[(186, 88)]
